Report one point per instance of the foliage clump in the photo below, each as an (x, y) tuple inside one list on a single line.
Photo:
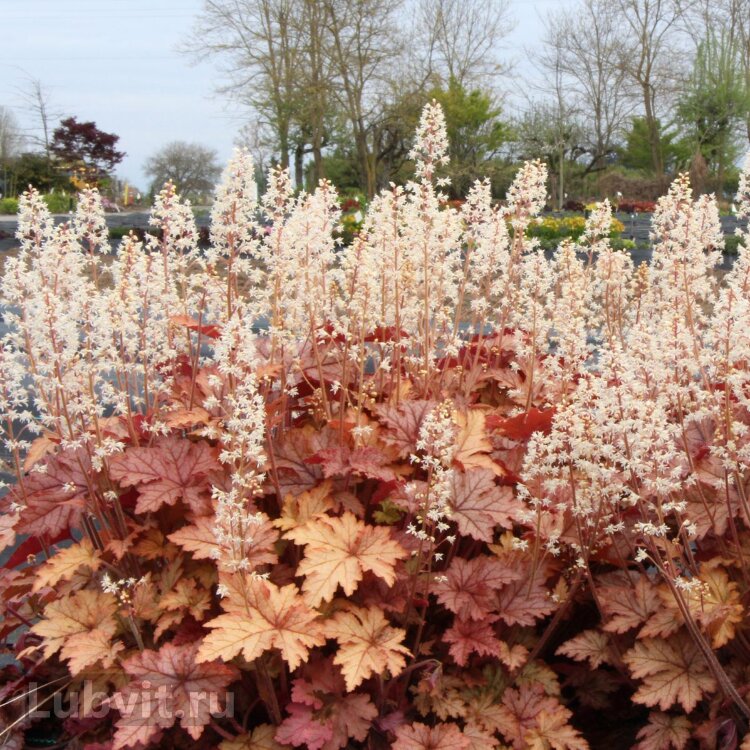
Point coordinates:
[(430, 490)]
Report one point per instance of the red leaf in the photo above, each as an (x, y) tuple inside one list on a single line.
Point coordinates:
[(470, 585), (522, 426), (522, 604), (386, 333), (403, 422), (172, 469), (302, 728), (342, 461), (212, 331), (478, 504), (296, 474), (323, 701), (166, 685), (470, 636), (33, 546), (54, 499)]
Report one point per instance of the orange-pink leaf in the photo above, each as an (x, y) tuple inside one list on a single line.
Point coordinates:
[(167, 684), (172, 469)]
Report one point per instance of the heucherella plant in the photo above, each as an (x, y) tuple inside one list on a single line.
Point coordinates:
[(429, 489)]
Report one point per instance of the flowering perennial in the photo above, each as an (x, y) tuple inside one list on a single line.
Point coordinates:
[(432, 489)]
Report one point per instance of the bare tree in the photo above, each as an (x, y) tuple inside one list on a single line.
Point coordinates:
[(257, 40), (316, 81), (11, 142), (38, 102), (551, 130), (193, 168), (583, 46), (650, 59), (364, 47), (463, 38), (11, 137)]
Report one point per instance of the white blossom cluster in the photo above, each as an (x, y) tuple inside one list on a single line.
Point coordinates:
[(652, 445), (242, 441), (432, 498), (647, 367)]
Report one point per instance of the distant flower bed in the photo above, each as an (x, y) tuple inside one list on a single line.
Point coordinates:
[(636, 207), (567, 227)]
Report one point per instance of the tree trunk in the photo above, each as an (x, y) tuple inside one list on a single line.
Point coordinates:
[(284, 147), (366, 167), (317, 153), (299, 173), (720, 171), (654, 136)]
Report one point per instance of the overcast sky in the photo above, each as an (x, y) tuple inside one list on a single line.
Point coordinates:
[(116, 62)]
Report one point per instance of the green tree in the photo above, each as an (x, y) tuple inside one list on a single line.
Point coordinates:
[(716, 101), (638, 153), (475, 133), (651, 30), (34, 169)]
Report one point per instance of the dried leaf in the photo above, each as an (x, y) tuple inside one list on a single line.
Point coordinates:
[(664, 732), (479, 739), (552, 732), (180, 419), (627, 603), (716, 605), (82, 612), (187, 597), (261, 738), (520, 711), (514, 656), (472, 444), (297, 511), (200, 540), (8, 523), (591, 645), (65, 562), (86, 649), (419, 736), (41, 447)]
